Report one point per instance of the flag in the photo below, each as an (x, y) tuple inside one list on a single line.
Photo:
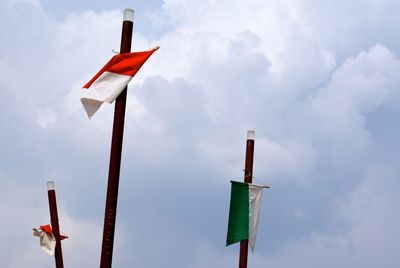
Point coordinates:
[(111, 80), (244, 212), (47, 239)]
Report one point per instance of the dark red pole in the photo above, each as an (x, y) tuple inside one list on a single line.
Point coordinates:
[(248, 178), (115, 155), (54, 223)]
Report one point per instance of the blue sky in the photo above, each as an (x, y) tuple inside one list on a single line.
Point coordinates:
[(317, 81)]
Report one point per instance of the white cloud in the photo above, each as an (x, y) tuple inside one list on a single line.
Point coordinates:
[(291, 70), (291, 160), (356, 90), (46, 117), (371, 235)]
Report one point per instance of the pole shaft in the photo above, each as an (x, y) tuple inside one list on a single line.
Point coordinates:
[(115, 160), (248, 178), (55, 227)]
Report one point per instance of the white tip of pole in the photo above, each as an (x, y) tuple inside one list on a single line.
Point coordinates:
[(251, 134), (50, 185), (128, 14)]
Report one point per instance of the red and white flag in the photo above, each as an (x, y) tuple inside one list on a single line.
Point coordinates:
[(111, 80), (47, 239)]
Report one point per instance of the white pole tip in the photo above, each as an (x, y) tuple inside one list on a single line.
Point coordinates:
[(251, 134), (128, 14), (50, 185)]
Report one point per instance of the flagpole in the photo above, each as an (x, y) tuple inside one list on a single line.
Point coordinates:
[(54, 223), (248, 176), (115, 155)]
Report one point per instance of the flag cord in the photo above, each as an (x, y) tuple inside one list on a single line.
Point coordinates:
[(260, 181)]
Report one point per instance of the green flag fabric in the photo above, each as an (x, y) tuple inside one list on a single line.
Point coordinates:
[(244, 212)]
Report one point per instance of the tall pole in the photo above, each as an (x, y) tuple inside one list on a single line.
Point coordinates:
[(54, 223), (248, 178), (115, 155)]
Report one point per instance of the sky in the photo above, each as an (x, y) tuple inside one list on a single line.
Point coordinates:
[(317, 81)]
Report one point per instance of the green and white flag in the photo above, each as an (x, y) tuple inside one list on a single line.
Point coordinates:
[(244, 212)]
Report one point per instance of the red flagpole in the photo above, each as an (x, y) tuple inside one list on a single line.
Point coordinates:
[(54, 223), (248, 178), (115, 155)]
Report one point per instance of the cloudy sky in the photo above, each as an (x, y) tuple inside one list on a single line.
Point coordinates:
[(318, 81)]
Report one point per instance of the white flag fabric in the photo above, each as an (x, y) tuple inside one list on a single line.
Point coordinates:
[(255, 196), (47, 239)]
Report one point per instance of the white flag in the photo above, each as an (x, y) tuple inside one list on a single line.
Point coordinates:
[(47, 239)]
